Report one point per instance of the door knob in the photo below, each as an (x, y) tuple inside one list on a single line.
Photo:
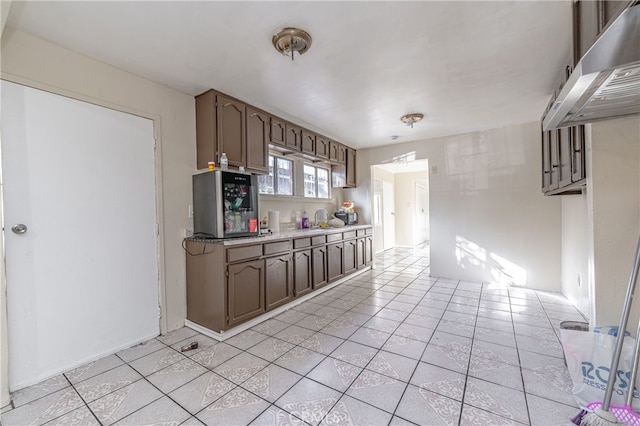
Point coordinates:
[(19, 228)]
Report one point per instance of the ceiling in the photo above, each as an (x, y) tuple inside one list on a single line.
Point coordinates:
[(467, 66)]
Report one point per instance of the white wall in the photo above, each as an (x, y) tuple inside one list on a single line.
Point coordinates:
[(575, 251), (404, 191), (488, 219), (613, 207)]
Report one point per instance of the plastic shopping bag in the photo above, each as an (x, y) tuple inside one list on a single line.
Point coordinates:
[(588, 357)]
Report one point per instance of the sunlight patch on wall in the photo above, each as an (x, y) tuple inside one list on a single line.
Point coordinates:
[(504, 273)]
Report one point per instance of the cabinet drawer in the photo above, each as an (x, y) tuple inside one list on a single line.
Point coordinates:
[(361, 232), (277, 247), (368, 231), (349, 234), (242, 253), (332, 238), (319, 239), (301, 243)]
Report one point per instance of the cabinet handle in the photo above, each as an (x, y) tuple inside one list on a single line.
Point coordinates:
[(555, 166)]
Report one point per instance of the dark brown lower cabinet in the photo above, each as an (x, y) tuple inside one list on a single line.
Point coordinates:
[(319, 269), (361, 250), (350, 256), (245, 292), (278, 276), (368, 251), (302, 279), (335, 261)]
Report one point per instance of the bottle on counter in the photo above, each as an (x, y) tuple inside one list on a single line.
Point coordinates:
[(224, 162), (304, 222)]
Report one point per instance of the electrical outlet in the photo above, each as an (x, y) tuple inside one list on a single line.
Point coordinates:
[(434, 170), (190, 213)]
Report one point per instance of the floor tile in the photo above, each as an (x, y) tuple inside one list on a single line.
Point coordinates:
[(551, 382), (370, 337), (377, 389), (456, 328), (192, 421), (216, 355), (300, 360), (334, 373), (541, 346), (472, 416), (238, 407), (404, 346), (271, 382), (499, 400), (392, 314), (353, 412), (393, 365), (545, 412), (44, 409), (354, 353), (246, 339), (201, 392), (422, 407), (535, 361), (156, 361), (291, 316), (496, 372), (439, 380), (44, 388), (271, 327), (124, 401), (446, 357), (451, 341), (398, 421), (275, 416), (322, 343), (176, 336), (307, 307), (495, 336), (102, 384), (271, 348), (294, 334), (162, 411), (340, 329), (309, 401), (138, 351), (314, 322), (176, 375), (423, 320), (414, 332), (241, 367), (382, 324), (93, 368), (79, 417)]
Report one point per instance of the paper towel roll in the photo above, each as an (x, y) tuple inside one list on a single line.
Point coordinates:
[(274, 221)]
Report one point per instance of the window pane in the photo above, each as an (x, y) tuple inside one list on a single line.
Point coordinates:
[(309, 181), (285, 176), (323, 183), (265, 182)]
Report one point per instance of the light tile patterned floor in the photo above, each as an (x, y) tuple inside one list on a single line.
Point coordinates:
[(393, 346)]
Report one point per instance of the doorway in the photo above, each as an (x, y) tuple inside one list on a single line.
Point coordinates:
[(80, 232)]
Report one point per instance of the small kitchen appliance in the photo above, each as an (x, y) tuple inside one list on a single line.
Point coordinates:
[(347, 218), (225, 205)]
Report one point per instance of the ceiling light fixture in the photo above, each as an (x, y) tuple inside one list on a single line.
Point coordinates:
[(291, 42), (409, 119)]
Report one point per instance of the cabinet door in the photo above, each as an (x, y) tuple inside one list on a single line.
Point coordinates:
[(550, 179), (278, 131), (351, 168), (231, 130), (278, 281), (293, 137), (334, 147), (342, 154), (322, 147), (257, 140), (360, 255), (335, 261), (308, 142), (206, 129), (319, 270), (302, 279), (245, 291), (350, 256), (578, 159), (565, 145), (368, 251)]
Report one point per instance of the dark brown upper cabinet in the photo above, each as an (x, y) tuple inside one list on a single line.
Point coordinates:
[(322, 147), (334, 148), (351, 168), (590, 19), (563, 170), (293, 137), (308, 145), (258, 126), (278, 131), (232, 135)]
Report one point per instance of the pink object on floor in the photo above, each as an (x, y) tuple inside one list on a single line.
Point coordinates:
[(623, 413)]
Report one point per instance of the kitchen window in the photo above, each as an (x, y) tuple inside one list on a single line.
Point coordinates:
[(279, 181), (316, 182)]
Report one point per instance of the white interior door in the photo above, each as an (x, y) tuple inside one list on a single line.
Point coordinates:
[(82, 281), (421, 214), (388, 215)]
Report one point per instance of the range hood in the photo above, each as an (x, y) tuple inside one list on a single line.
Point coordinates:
[(606, 82)]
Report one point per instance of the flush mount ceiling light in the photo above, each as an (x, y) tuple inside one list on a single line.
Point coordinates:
[(291, 42), (409, 119)]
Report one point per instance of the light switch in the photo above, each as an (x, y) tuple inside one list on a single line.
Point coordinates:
[(434, 170)]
